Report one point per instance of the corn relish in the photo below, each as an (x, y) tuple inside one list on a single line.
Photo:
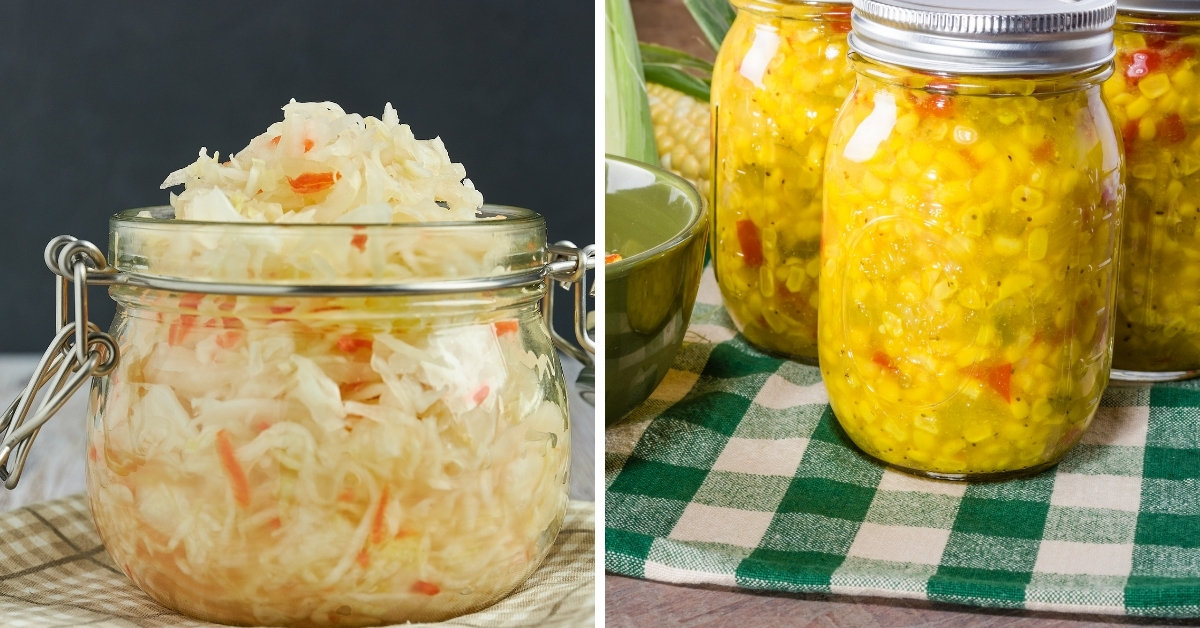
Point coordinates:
[(967, 272), (1155, 97), (778, 82)]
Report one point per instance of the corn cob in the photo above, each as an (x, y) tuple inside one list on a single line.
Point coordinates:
[(681, 133)]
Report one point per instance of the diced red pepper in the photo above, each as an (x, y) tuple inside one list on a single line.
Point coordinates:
[(233, 469), (1142, 63), (882, 359), (747, 233), (350, 344), (936, 105), (838, 20), (1173, 130), (1044, 151), (312, 182), (505, 327), (425, 588), (1178, 55), (612, 257), (359, 240), (998, 378)]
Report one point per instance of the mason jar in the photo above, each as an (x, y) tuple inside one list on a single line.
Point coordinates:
[(778, 81), (332, 438), (1155, 97), (972, 210)]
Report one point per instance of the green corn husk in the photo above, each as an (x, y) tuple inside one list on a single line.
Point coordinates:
[(628, 131)]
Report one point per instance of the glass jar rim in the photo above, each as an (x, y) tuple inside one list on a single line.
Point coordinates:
[(985, 84), (507, 248), (798, 9)]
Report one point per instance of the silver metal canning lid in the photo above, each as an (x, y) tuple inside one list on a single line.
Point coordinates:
[(985, 37), (1160, 7)]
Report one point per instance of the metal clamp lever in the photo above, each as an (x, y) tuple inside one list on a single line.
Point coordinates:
[(79, 352), (568, 265)]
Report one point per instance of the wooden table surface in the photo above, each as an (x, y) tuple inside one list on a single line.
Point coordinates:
[(633, 603)]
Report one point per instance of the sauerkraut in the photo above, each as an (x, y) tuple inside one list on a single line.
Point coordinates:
[(326, 460)]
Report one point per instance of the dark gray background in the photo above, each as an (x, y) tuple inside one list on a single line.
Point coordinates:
[(100, 100)]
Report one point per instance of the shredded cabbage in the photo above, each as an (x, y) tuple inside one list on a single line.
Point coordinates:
[(328, 460), (321, 164)]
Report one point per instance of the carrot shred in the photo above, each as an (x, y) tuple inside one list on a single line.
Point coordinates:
[(377, 523), (350, 344), (311, 182), (233, 469), (190, 301), (179, 329), (275, 524), (308, 144), (359, 241), (274, 141), (481, 394), (347, 495), (505, 327), (426, 588), (612, 257), (282, 309), (364, 559)]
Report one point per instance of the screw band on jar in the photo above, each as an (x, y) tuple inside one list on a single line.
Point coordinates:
[(1154, 96), (778, 82), (970, 229)]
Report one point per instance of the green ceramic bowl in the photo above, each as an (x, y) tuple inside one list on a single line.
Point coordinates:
[(659, 225)]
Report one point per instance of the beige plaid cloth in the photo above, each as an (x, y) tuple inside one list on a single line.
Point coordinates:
[(54, 573)]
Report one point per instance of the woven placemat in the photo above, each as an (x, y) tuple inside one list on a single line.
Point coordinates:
[(735, 473), (54, 573)]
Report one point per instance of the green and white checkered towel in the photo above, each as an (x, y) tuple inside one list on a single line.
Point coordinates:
[(735, 473)]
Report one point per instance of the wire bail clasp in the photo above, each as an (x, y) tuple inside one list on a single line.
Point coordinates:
[(568, 266), (78, 352)]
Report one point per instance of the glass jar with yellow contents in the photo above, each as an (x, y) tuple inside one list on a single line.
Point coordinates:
[(1155, 97), (972, 209), (777, 84)]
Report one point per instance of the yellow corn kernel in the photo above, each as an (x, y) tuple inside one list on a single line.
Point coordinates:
[(1006, 246), (1154, 85), (1144, 171), (977, 432), (795, 278), (1146, 129), (1013, 284), (1138, 108), (1038, 240), (970, 298), (766, 281), (1183, 78), (1026, 198), (1019, 408)]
